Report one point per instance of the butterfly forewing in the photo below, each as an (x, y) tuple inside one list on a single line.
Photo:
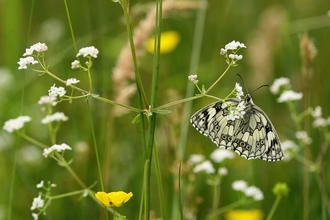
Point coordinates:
[(252, 136)]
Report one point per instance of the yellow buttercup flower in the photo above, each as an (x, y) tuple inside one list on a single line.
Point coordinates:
[(113, 198), (253, 214), (169, 41)]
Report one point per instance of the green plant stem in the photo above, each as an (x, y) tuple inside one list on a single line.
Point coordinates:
[(60, 196), (272, 211), (177, 102), (12, 185), (216, 196), (160, 184), (33, 141), (216, 82), (90, 76), (125, 7), (95, 146), (70, 25), (71, 171), (94, 95), (227, 208), (193, 68), (145, 189)]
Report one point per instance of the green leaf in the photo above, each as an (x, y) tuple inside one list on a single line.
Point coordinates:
[(137, 119), (162, 111)]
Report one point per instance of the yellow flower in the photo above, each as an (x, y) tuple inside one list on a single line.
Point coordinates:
[(114, 198), (253, 214), (169, 41)]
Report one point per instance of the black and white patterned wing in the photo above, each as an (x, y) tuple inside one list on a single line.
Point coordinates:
[(211, 121), (256, 136), (252, 136)]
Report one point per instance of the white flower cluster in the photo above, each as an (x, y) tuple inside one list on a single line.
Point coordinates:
[(56, 147), (23, 62), (218, 156), (193, 78), (234, 46), (282, 85), (303, 136), (47, 100), (38, 47), (75, 64), (37, 203), (249, 191), (15, 124), (319, 121), (71, 81), (236, 112), (88, 51), (56, 91), (57, 116), (290, 149), (239, 91)]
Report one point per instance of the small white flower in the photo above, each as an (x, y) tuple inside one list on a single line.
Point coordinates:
[(23, 62), (71, 81), (302, 135), (320, 122), (57, 116), (223, 51), (239, 91), (239, 185), (88, 51), (234, 45), (75, 64), (35, 216), (206, 166), (254, 192), (15, 124), (238, 57), (192, 77), (39, 47), (196, 158), (289, 95), (53, 185), (222, 171), (57, 148), (289, 149), (38, 202), (47, 100), (219, 155), (56, 91), (278, 83), (317, 113), (41, 184), (236, 112)]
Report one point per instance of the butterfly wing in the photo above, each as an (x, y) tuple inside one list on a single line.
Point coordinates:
[(211, 121), (257, 137), (252, 137)]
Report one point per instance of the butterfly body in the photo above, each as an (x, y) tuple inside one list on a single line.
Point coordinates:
[(251, 136)]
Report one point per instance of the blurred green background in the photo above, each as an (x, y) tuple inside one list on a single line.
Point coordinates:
[(269, 29)]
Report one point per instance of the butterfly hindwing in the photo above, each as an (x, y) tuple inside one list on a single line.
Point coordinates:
[(252, 136)]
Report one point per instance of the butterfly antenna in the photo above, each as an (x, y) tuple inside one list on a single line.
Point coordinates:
[(247, 91), (259, 88)]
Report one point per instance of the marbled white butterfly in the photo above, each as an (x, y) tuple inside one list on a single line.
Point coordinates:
[(251, 136)]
